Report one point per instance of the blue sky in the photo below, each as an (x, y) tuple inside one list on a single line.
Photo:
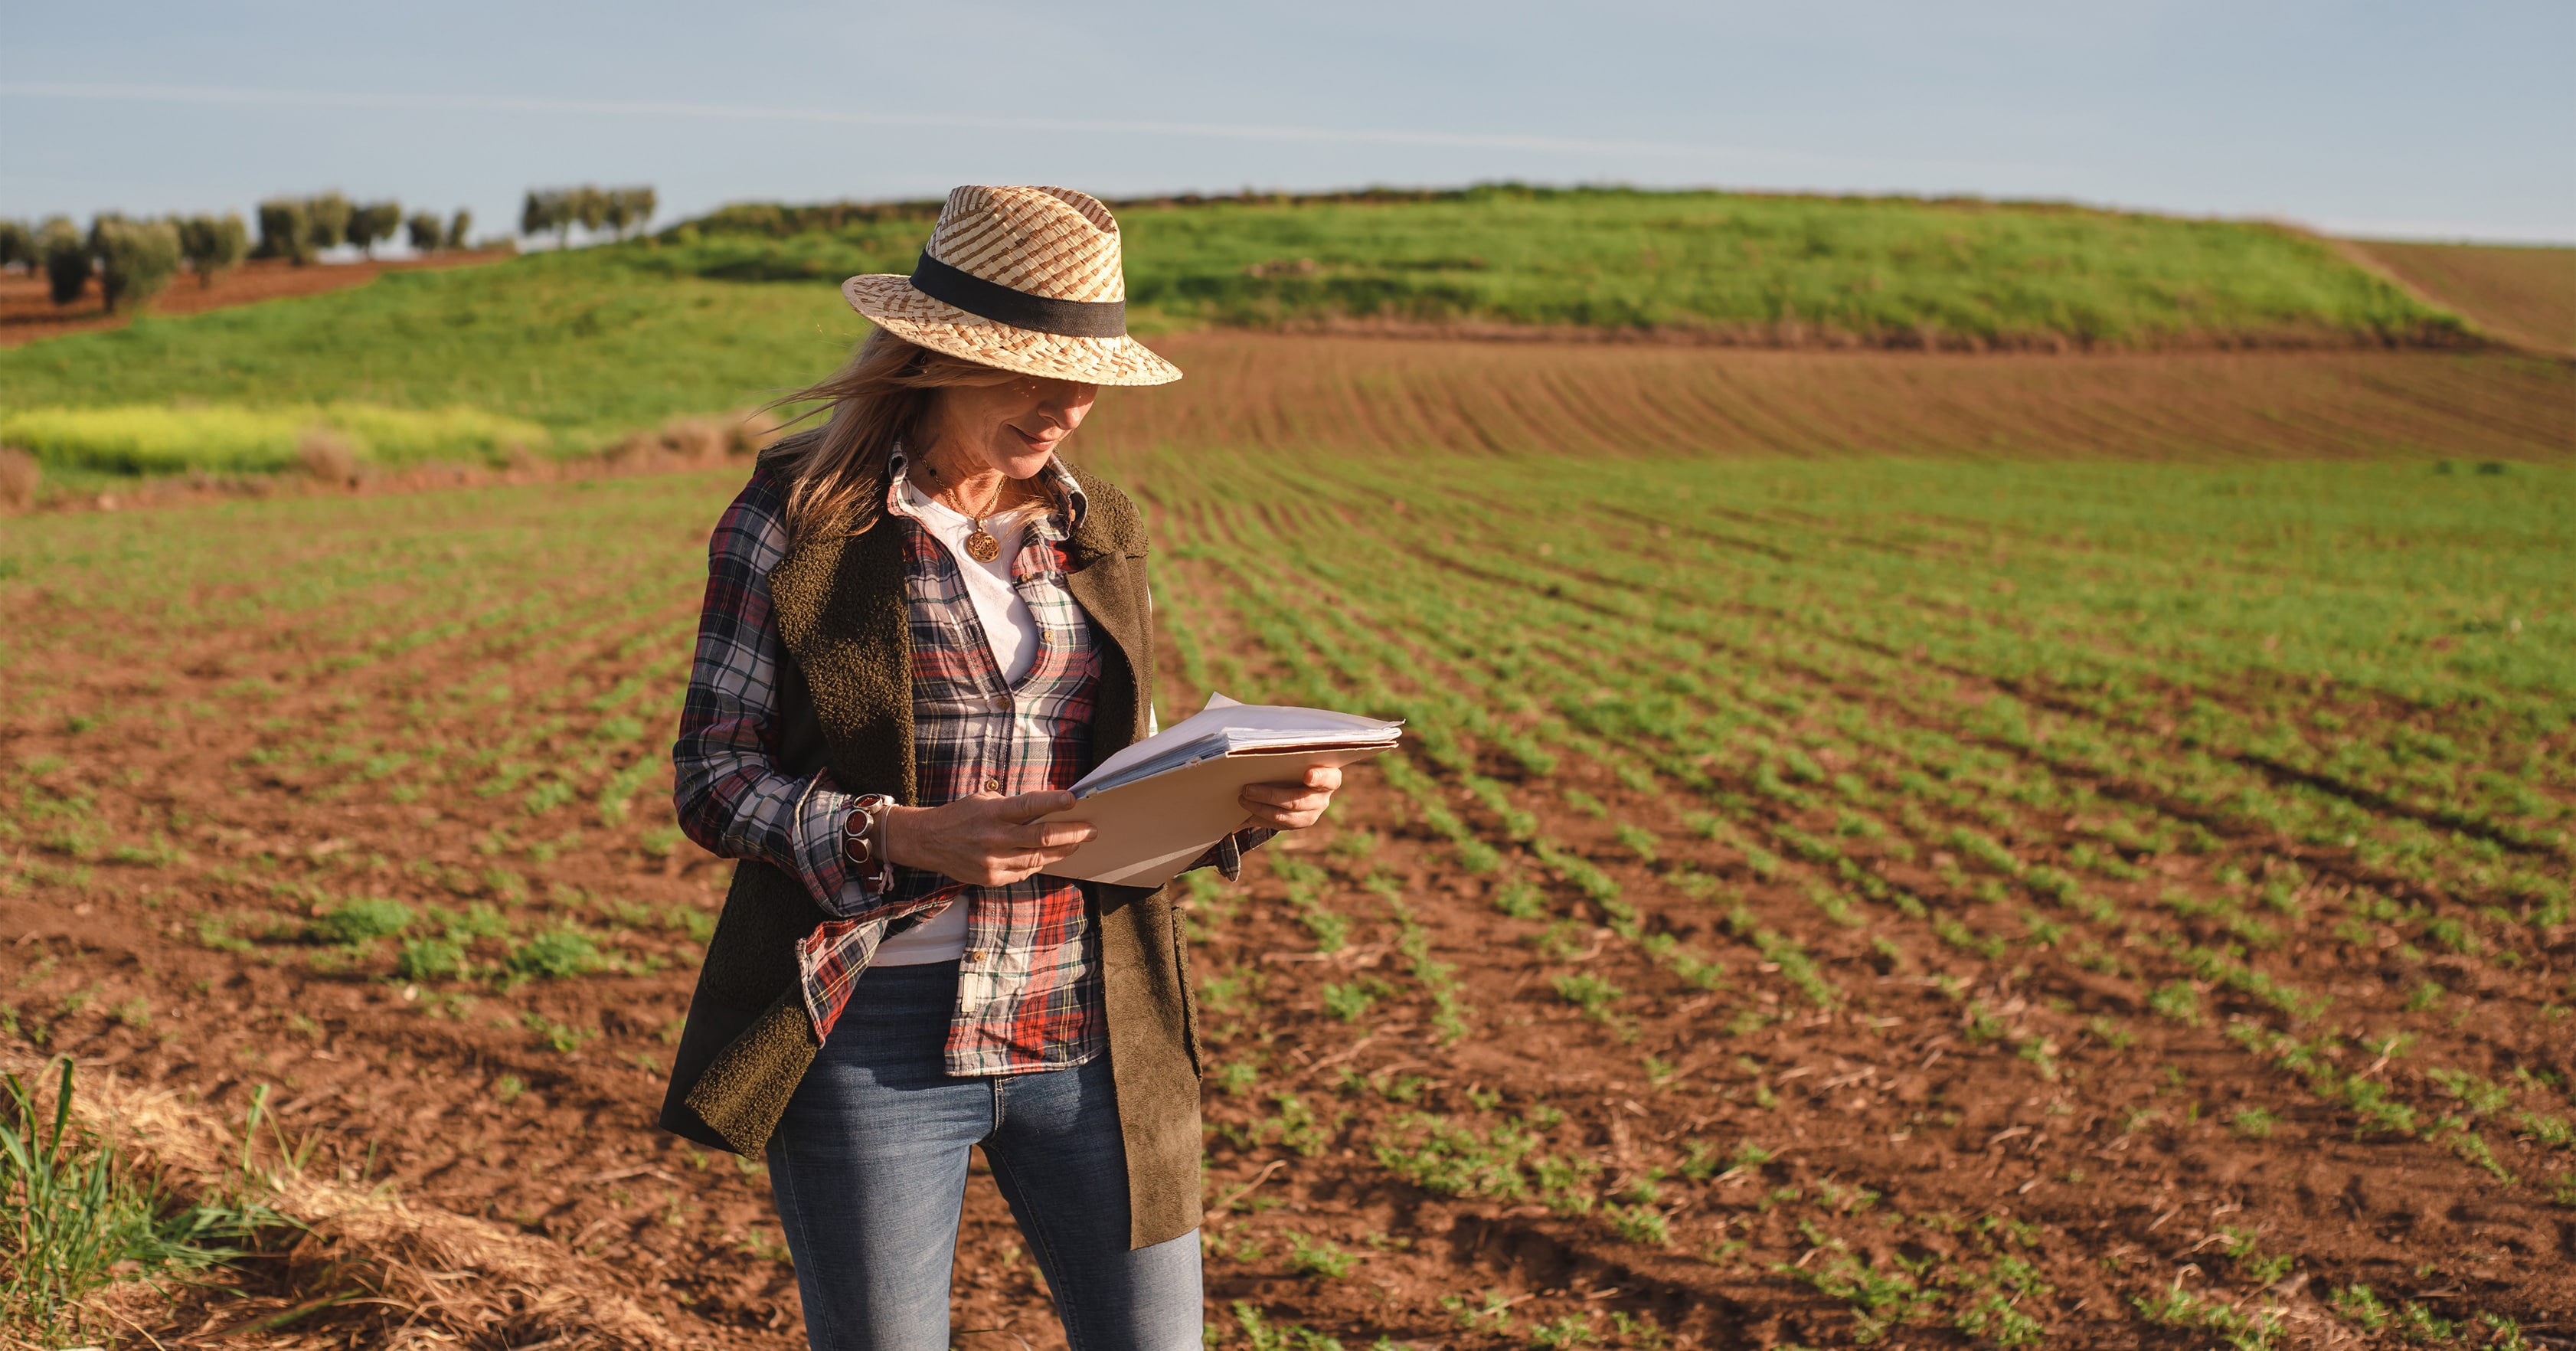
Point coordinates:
[(2418, 120)]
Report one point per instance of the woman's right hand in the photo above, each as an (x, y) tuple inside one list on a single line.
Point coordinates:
[(985, 840)]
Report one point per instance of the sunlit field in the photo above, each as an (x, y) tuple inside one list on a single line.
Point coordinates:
[(1822, 899)]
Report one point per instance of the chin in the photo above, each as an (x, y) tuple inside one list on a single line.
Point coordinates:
[(1019, 461)]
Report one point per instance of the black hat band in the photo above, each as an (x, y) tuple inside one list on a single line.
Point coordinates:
[(1019, 309)]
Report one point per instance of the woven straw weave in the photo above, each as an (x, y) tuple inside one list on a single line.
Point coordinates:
[(1051, 242)]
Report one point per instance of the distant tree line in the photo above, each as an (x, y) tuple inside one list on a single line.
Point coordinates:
[(556, 210), (295, 228), (135, 259), (132, 259)]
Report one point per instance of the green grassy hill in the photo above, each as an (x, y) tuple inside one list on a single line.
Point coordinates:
[(1897, 272), (570, 349), (556, 353)]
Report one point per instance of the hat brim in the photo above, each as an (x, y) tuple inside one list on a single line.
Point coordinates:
[(889, 301)]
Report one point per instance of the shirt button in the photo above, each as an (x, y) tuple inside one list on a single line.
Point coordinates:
[(992, 784), (975, 956)]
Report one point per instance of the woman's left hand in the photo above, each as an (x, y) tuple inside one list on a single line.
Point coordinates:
[(1292, 806)]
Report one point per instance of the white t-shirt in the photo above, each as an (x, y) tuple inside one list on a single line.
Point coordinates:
[(1012, 632)]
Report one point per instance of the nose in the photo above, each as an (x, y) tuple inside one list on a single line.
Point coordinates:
[(1063, 402)]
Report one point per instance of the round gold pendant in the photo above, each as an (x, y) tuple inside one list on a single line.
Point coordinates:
[(982, 547)]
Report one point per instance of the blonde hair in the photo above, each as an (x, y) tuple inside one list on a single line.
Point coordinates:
[(876, 400)]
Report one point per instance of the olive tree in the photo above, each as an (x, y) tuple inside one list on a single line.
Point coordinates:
[(424, 231), (327, 218), (286, 229), (18, 245), (213, 245), (137, 258), (546, 209), (629, 208), (589, 206), (457, 225), (67, 260), (372, 222)]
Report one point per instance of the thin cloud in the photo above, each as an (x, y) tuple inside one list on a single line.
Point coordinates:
[(1236, 131)]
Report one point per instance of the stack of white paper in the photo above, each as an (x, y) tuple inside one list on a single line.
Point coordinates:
[(1225, 728), (1160, 803)]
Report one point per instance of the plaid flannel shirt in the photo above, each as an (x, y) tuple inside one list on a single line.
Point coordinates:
[(1029, 987)]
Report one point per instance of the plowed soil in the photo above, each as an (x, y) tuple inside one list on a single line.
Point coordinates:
[(2526, 295), (28, 312), (1297, 396), (1368, 396), (227, 721)]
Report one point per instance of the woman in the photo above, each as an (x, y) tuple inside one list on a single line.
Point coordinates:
[(921, 627)]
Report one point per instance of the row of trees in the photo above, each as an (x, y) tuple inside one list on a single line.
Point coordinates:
[(133, 259), (619, 210), (295, 228)]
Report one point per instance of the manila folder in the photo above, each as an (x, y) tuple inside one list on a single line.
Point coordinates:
[(1150, 830)]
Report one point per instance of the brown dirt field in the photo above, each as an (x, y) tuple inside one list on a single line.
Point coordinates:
[(2524, 295), (189, 741), (1354, 394), (1269, 392), (456, 1098), (28, 313)]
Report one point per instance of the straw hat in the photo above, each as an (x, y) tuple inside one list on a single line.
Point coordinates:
[(1026, 279)]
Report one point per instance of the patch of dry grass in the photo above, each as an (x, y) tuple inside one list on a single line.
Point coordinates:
[(353, 1259)]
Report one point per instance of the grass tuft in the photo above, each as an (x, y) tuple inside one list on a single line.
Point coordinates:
[(75, 1216)]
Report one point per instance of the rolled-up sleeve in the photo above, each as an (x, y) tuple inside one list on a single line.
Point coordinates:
[(726, 787)]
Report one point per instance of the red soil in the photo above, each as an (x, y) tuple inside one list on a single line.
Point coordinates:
[(1372, 395), (1302, 395), (28, 313), (464, 1105), (2525, 295), (451, 1092)]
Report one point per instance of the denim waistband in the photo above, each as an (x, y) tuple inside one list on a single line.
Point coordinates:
[(920, 999)]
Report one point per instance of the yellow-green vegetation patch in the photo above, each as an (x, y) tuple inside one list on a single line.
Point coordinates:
[(158, 438), (578, 344)]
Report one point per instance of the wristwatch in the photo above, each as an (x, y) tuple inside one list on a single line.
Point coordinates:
[(863, 840)]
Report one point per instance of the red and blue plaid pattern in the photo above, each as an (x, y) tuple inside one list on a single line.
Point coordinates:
[(1028, 987), (726, 787), (1028, 993)]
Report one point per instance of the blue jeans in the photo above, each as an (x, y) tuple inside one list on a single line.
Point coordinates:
[(869, 1168)]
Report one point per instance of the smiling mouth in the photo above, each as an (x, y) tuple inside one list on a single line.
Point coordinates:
[(1038, 442)]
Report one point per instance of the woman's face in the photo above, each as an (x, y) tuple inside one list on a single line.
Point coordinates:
[(1013, 428)]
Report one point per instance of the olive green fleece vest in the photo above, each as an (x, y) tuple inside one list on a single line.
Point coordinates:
[(846, 705)]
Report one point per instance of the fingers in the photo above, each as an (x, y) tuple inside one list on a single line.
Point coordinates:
[(1031, 806), (1013, 854), (1292, 806), (1060, 835), (1291, 796)]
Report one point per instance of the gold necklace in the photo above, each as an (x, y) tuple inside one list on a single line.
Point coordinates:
[(980, 544)]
